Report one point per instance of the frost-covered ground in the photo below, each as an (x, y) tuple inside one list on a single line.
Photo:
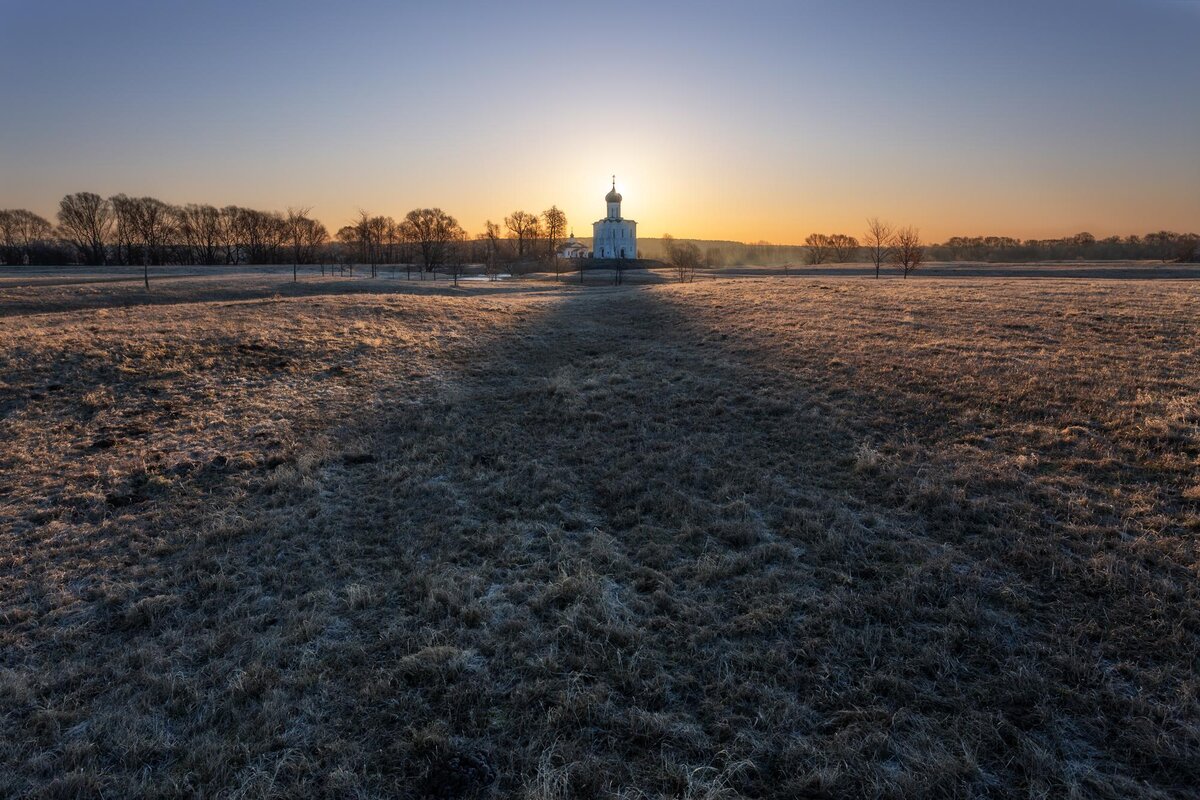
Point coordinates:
[(760, 538)]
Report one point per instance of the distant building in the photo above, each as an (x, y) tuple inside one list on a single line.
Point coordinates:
[(614, 237), (572, 248)]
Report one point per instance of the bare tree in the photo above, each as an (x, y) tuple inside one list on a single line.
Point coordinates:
[(908, 252), (392, 237), (275, 241), (123, 232), (524, 227), (482, 252), (149, 223), (86, 219), (878, 242), (186, 236), (378, 229), (154, 221), (818, 248), (366, 230), (261, 235), (555, 226), (492, 260), (199, 229), (227, 234), (619, 271), (32, 228), (347, 237), (21, 231), (1162, 244), (844, 247), (684, 257), (431, 230), (297, 224), (1186, 247), (314, 237), (456, 254), (362, 237), (9, 238)]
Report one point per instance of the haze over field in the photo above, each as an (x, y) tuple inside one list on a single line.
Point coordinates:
[(747, 121)]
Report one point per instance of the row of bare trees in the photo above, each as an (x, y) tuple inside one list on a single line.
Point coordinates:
[(1158, 245), (146, 231), (1161, 246), (901, 247), (838, 248), (432, 240), (882, 244), (536, 235)]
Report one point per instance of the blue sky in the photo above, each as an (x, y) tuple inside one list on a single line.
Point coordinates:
[(749, 120)]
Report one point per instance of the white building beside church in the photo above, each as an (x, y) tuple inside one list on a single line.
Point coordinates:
[(614, 237), (572, 248)]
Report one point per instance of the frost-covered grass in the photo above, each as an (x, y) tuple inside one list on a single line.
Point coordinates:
[(762, 538)]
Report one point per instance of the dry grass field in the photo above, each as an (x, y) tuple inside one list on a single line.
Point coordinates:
[(763, 538)]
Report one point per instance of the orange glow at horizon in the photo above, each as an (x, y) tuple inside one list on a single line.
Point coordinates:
[(1024, 119)]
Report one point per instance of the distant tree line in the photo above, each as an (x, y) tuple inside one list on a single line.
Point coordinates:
[(1158, 246), (819, 248), (139, 231), (145, 231)]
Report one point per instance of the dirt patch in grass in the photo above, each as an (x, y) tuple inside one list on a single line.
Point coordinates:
[(731, 539)]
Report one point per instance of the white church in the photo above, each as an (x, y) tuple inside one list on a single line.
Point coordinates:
[(614, 237)]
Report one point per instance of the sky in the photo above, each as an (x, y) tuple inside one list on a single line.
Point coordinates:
[(747, 120)]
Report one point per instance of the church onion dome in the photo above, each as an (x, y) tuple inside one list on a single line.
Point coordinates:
[(614, 196)]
